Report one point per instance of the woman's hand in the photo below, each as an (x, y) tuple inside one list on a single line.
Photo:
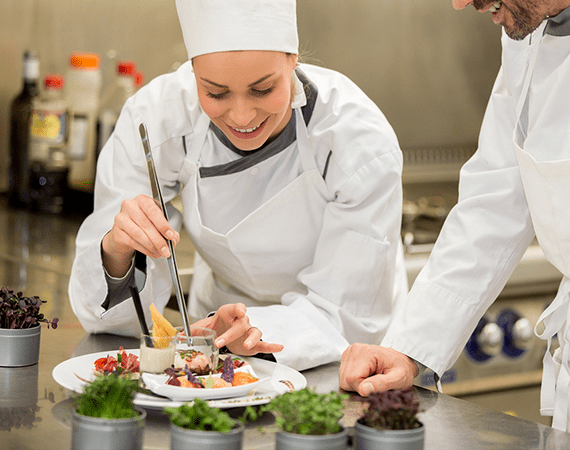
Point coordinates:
[(141, 226), (235, 332)]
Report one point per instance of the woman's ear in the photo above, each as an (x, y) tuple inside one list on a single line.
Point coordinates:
[(293, 60)]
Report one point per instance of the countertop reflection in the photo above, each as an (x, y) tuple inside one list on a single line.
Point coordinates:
[(36, 253)]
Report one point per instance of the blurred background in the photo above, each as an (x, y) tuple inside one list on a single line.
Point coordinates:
[(428, 67)]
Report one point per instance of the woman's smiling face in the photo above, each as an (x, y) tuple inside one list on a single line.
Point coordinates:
[(247, 94)]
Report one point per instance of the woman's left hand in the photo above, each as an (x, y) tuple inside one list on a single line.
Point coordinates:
[(235, 332)]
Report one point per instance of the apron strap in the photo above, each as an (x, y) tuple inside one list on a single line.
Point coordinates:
[(304, 145), (554, 389), (193, 148), (560, 417)]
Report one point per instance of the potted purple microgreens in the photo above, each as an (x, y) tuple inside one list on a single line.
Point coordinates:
[(390, 421), (20, 316)]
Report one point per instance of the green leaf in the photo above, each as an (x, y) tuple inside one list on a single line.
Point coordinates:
[(306, 412), (200, 416), (108, 397), (209, 383)]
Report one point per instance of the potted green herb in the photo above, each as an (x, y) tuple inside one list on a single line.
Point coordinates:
[(390, 422), (200, 426), (307, 420), (106, 417), (20, 328)]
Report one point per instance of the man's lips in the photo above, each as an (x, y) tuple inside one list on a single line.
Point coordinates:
[(491, 7), (248, 133), (494, 8)]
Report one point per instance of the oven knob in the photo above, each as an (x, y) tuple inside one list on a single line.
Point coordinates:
[(486, 341), (490, 339), (518, 333)]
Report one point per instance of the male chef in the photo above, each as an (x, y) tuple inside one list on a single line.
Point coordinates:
[(515, 187)]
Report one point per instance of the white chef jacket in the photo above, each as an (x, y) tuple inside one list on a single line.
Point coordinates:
[(344, 293), (515, 186)]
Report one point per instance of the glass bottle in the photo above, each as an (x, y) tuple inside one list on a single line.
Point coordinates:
[(20, 116), (48, 136), (113, 99)]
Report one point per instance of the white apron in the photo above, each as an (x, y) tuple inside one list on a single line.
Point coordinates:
[(547, 189), (257, 260)]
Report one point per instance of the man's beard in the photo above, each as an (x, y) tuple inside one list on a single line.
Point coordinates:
[(523, 22), (523, 25)]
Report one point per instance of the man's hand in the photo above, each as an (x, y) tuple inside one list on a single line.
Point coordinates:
[(235, 332), (370, 368)]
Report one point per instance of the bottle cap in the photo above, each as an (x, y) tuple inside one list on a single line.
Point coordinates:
[(31, 66), (126, 67), (88, 61), (53, 81)]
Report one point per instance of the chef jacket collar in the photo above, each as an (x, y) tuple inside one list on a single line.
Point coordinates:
[(559, 25)]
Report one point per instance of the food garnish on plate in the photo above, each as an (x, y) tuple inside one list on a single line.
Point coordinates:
[(161, 328), (225, 375), (124, 364), (195, 360)]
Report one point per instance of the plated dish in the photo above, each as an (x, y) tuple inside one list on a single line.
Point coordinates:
[(274, 379)]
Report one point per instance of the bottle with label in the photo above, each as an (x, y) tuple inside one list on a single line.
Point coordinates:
[(112, 102), (48, 137), (83, 88), (20, 116)]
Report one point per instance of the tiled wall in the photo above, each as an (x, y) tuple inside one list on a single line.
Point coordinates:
[(428, 67)]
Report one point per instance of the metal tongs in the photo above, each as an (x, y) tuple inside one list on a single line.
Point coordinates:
[(157, 195)]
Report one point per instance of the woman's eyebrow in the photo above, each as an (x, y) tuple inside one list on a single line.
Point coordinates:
[(262, 79), (222, 86)]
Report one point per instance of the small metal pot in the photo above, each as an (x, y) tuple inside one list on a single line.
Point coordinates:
[(93, 433), (292, 441), (20, 347), (183, 438), (368, 438)]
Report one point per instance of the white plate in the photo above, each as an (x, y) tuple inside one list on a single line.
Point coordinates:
[(272, 374), (157, 384)]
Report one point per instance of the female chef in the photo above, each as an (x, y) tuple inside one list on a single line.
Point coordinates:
[(290, 182)]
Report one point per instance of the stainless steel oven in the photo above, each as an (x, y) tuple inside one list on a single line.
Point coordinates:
[(501, 365)]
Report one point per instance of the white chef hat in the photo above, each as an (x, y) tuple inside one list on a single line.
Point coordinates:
[(210, 26)]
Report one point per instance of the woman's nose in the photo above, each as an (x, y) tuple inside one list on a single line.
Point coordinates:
[(460, 4), (242, 113)]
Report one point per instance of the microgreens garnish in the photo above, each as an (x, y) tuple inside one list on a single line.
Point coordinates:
[(109, 397), (200, 416), (304, 412), (17, 311), (393, 410)]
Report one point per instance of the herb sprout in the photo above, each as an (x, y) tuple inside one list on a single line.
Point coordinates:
[(108, 397), (393, 410), (17, 311), (200, 416), (304, 412)]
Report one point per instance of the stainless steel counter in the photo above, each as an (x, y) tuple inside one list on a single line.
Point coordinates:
[(36, 253)]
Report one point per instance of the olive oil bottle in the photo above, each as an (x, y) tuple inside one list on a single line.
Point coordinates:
[(20, 116)]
